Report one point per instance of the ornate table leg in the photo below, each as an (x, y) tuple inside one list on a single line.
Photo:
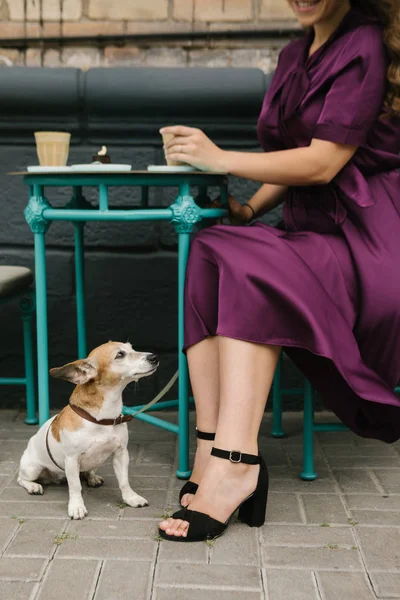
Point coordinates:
[(78, 201), (185, 214), (39, 226)]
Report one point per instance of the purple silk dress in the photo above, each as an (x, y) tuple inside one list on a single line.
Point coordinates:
[(325, 284)]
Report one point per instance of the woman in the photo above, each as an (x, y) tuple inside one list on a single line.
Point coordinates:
[(325, 285)]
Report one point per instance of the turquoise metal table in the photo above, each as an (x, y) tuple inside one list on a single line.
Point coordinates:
[(184, 213)]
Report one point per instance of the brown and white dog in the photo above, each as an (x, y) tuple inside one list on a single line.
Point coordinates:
[(87, 431)]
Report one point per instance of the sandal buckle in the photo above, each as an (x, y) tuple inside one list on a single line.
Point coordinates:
[(233, 454)]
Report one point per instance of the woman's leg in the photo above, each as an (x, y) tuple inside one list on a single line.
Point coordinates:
[(203, 360), (246, 374)]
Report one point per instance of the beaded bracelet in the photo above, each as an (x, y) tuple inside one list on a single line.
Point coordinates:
[(252, 209)]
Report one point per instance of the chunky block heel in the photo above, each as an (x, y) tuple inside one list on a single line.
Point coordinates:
[(190, 487), (251, 510)]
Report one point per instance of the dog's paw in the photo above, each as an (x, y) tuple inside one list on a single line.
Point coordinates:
[(34, 488), (135, 500), (77, 511), (95, 481)]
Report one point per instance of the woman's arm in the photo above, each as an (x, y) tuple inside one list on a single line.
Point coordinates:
[(316, 164)]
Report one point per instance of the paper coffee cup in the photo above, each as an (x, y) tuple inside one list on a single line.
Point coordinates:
[(52, 148), (167, 137)]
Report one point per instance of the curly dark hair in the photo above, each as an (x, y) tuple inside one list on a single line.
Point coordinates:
[(387, 12)]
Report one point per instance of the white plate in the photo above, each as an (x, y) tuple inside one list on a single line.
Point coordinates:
[(110, 168), (169, 169), (38, 169)]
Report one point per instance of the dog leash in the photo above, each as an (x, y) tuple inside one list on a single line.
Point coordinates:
[(120, 419), (159, 395), (48, 448)]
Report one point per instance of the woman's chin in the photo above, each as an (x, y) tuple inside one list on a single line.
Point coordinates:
[(307, 13)]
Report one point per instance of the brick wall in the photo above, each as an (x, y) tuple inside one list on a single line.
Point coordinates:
[(66, 18)]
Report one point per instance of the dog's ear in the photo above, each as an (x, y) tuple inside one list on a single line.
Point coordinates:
[(78, 372)]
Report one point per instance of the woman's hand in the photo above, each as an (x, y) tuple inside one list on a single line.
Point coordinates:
[(239, 214), (193, 147)]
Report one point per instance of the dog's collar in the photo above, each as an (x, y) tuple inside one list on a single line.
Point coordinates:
[(85, 415)]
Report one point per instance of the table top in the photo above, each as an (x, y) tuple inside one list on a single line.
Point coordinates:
[(124, 178), (132, 173)]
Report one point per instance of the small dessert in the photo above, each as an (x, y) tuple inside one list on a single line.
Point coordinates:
[(102, 156)]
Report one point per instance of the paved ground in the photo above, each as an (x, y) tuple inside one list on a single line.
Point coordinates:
[(337, 538)]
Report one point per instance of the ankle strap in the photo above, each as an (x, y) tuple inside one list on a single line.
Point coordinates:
[(205, 436), (237, 457)]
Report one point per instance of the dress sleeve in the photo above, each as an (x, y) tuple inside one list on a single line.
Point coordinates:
[(355, 98)]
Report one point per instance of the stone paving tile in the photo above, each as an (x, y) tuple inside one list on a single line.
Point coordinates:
[(386, 584), (149, 483), (328, 558), (283, 508), (183, 553), (24, 569), (44, 509), (174, 593), (238, 546), (190, 575), (356, 479), (302, 535), (69, 579), (345, 586), (36, 538), (18, 433), (56, 493), (157, 453), (327, 438), (373, 502), (273, 452), (389, 479), (377, 517), (113, 529), (380, 546), (362, 461), (16, 590), (121, 580), (344, 450), (7, 529), (10, 415), (324, 508), (285, 584), (288, 480), (111, 548), (7, 467)]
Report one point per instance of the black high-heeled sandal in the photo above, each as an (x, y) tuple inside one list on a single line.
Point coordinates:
[(190, 487), (251, 510)]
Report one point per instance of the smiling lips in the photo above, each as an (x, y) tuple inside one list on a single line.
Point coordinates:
[(304, 7)]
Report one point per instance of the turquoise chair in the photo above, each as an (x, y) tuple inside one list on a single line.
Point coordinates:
[(15, 285), (309, 426)]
